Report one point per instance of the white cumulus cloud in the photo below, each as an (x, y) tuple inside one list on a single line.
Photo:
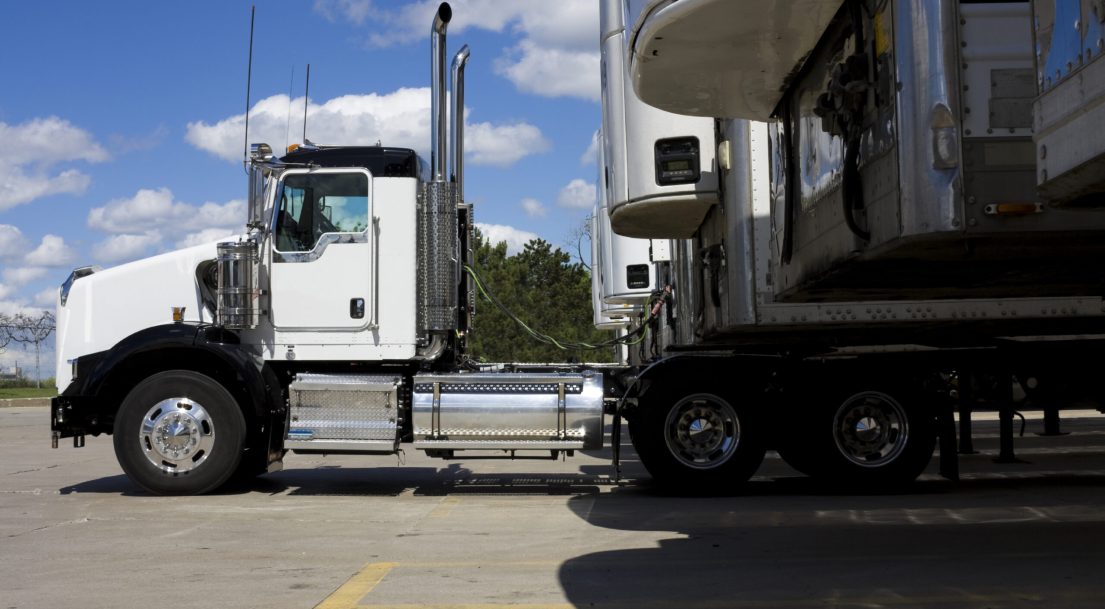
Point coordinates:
[(12, 242), (149, 209), (33, 149), (558, 49), (353, 10), (118, 248), (533, 208), (551, 72), (400, 118), (46, 298), (22, 275), (502, 145), (51, 252), (5, 291), (498, 233), (154, 219), (208, 235), (578, 194)]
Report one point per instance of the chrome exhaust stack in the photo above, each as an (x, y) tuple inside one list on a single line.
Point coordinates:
[(438, 264), (437, 86), (456, 132)]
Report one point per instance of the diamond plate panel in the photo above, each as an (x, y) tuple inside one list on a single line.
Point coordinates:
[(344, 407)]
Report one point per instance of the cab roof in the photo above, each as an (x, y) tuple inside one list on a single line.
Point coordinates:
[(381, 161)]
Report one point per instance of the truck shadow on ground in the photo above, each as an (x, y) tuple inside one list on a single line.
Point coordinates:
[(454, 479), (457, 479), (1001, 542)]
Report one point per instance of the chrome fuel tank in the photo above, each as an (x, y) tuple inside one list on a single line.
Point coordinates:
[(508, 411)]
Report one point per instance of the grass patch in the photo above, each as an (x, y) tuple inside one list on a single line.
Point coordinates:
[(27, 392)]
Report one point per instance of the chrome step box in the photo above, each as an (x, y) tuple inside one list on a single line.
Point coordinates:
[(507, 411), (333, 413)]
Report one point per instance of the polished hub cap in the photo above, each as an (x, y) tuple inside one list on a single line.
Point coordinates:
[(177, 435), (871, 429), (702, 431)]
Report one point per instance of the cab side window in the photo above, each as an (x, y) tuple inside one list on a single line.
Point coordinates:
[(314, 204)]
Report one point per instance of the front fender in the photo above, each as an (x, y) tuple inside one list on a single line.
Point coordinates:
[(104, 379)]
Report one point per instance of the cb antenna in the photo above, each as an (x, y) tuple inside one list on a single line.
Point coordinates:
[(306, 91), (249, 81)]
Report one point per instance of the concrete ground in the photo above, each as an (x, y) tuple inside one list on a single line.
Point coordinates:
[(345, 532)]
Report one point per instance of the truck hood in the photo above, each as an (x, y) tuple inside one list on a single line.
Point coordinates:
[(105, 307)]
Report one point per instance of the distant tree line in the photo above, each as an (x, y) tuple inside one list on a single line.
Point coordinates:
[(545, 290)]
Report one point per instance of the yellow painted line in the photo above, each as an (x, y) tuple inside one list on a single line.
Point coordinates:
[(478, 564), (834, 601), (731, 603), (473, 606), (350, 593), (442, 510)]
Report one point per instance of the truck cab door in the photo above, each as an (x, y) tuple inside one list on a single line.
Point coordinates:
[(322, 251)]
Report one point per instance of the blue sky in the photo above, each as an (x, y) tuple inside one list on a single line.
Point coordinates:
[(121, 122)]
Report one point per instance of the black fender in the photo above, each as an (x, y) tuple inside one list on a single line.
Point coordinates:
[(104, 378)]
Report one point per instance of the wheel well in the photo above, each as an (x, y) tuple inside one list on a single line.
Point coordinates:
[(681, 371), (131, 371)]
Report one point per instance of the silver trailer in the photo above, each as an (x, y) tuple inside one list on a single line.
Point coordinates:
[(891, 243)]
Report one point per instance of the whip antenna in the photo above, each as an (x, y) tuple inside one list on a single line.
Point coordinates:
[(306, 90), (288, 125), (249, 81)]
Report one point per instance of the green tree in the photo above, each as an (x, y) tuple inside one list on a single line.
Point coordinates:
[(545, 289)]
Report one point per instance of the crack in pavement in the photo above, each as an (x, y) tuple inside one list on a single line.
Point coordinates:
[(50, 526)]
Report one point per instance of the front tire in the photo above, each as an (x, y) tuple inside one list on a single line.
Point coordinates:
[(179, 433), (702, 442)]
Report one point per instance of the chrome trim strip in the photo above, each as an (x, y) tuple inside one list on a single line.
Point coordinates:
[(503, 445), (324, 242)]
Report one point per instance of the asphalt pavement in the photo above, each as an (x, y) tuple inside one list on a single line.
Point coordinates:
[(413, 533)]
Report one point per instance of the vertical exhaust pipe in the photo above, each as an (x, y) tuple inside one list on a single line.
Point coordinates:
[(437, 85), (456, 132), (438, 264)]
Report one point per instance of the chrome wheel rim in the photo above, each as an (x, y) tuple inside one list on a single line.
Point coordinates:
[(871, 429), (702, 431), (177, 435)]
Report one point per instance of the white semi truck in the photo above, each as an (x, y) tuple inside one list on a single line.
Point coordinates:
[(840, 268), (337, 323), (910, 218)]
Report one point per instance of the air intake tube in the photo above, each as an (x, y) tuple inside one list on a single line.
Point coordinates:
[(439, 268)]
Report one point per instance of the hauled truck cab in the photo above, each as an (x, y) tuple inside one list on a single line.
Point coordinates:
[(908, 221), (335, 323)]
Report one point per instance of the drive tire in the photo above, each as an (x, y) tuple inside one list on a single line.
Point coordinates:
[(868, 437), (179, 433), (700, 442)]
